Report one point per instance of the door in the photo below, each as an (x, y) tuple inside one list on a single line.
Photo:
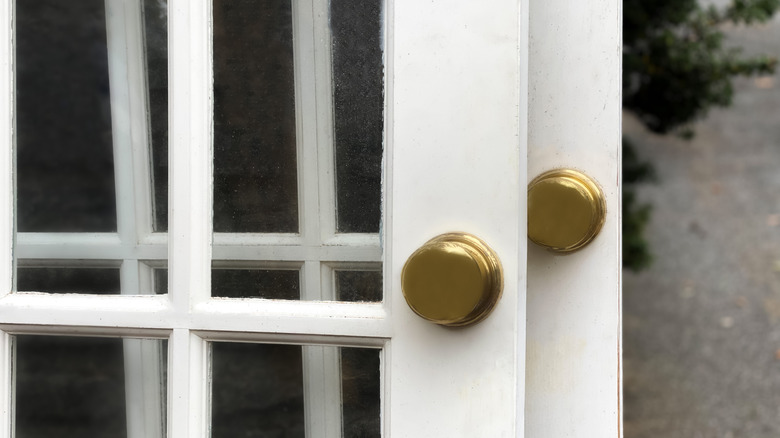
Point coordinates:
[(477, 99)]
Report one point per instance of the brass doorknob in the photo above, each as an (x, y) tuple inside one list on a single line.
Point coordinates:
[(566, 210), (454, 279)]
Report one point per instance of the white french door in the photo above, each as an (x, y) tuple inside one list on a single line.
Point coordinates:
[(476, 99)]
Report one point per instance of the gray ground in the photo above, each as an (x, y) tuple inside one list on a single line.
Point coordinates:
[(702, 325)]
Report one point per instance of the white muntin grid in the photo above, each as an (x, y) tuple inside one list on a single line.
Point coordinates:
[(188, 317)]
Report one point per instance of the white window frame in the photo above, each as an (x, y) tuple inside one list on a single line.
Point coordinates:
[(188, 317)]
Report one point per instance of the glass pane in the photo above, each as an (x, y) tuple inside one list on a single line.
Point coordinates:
[(68, 280), (358, 285), (256, 283), (75, 387), (358, 99), (255, 174), (160, 279), (156, 35), (65, 165), (360, 392), (257, 391)]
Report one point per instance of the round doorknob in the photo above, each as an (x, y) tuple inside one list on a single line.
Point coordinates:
[(454, 279), (566, 210)]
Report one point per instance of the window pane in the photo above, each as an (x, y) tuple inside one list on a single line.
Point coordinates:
[(256, 283), (65, 165), (255, 174), (156, 36), (257, 391), (160, 279), (360, 392), (358, 98), (68, 280), (358, 285), (75, 387)]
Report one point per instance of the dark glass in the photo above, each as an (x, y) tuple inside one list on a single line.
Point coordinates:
[(74, 387), (64, 155), (256, 283), (160, 279), (358, 100), (360, 393), (358, 285), (255, 169), (156, 34), (68, 280), (257, 391), (69, 387)]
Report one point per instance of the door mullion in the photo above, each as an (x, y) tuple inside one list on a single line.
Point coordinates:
[(190, 203), (306, 121), (190, 153), (7, 128), (321, 365), (323, 68), (143, 381), (142, 358), (322, 391), (7, 384), (188, 386), (129, 115)]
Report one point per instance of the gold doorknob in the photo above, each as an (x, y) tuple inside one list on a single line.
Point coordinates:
[(566, 210), (454, 279)]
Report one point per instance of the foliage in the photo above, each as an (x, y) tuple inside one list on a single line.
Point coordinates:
[(636, 254), (676, 67)]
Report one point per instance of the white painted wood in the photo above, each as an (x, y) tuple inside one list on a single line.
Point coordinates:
[(87, 251), (456, 156), (306, 122), (7, 384), (129, 117), (323, 72), (144, 388), (268, 338), (188, 385), (146, 285), (67, 239), (522, 279), (574, 335), (131, 142), (108, 246), (322, 391), (293, 253), (190, 150), (110, 314), (7, 139), (457, 76)]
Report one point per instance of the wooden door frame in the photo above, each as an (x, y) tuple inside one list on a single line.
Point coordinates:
[(574, 371)]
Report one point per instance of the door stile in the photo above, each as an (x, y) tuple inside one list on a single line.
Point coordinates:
[(8, 129), (574, 335), (6, 384), (524, 45), (457, 154), (7, 135)]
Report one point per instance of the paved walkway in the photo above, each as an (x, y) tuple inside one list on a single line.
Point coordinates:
[(702, 325)]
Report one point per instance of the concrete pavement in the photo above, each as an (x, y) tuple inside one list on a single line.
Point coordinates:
[(702, 325)]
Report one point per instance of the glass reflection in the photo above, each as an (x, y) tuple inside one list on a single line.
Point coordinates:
[(75, 387), (255, 169), (64, 155), (358, 101)]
